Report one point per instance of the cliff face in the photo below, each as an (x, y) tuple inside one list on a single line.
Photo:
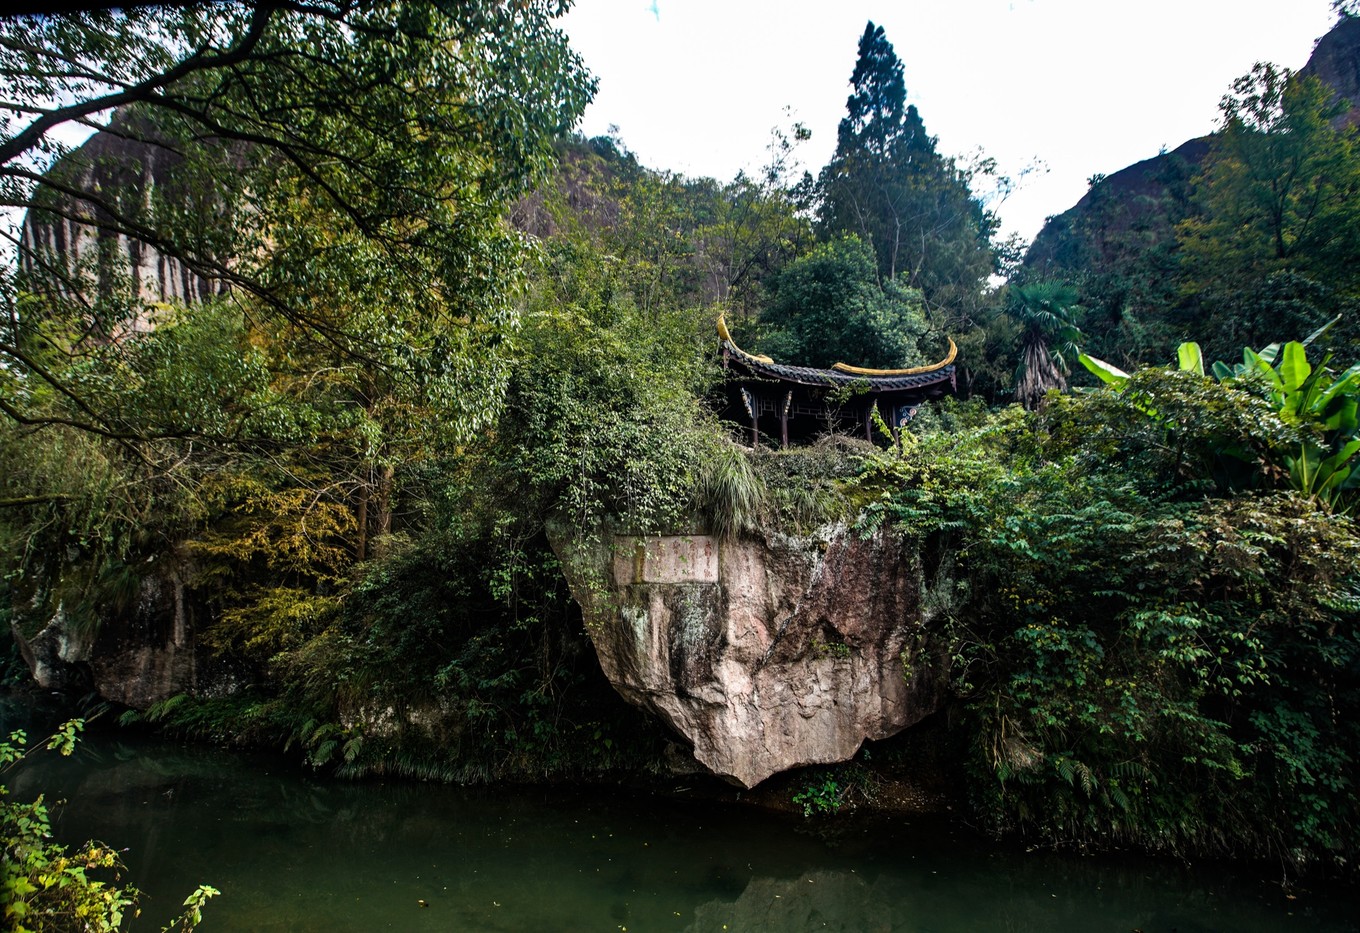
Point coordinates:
[(84, 239), (136, 655), (1147, 198), (763, 655), (1336, 63)]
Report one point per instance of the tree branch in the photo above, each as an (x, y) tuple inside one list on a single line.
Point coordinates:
[(200, 60)]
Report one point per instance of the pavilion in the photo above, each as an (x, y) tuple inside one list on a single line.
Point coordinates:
[(804, 403)]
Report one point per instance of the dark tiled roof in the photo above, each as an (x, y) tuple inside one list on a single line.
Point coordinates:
[(808, 376)]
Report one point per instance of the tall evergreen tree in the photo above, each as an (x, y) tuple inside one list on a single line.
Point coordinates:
[(889, 186)]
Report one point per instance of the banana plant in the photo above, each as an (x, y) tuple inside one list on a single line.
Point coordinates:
[(1309, 397), (1188, 357), (1301, 393), (1323, 477), (1325, 405)]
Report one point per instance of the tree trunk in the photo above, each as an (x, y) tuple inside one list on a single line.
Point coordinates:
[(382, 501), (361, 519)]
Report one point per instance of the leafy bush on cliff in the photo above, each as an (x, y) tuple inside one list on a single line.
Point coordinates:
[(1151, 650)]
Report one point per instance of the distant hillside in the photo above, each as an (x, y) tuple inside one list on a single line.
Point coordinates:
[(1147, 198), (1336, 62)]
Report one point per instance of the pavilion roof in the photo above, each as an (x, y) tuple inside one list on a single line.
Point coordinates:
[(875, 380)]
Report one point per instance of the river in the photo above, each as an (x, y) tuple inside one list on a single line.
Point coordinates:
[(292, 851)]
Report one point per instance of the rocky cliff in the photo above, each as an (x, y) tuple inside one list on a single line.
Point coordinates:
[(1148, 198), (136, 654), (96, 231), (762, 654), (1141, 203), (1336, 63)]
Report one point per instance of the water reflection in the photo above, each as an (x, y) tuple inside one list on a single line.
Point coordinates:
[(294, 853)]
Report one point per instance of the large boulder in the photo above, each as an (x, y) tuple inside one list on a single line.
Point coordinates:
[(763, 654)]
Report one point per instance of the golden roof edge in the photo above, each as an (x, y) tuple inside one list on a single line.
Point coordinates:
[(910, 371), (725, 334)]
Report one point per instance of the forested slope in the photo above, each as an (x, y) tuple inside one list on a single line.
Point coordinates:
[(306, 504)]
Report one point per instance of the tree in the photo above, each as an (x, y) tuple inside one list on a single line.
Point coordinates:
[(888, 185), (1047, 313), (335, 176), (759, 227), (828, 307), (361, 153), (1277, 211)]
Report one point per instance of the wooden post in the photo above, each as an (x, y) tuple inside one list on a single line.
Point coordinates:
[(784, 418), (752, 404)]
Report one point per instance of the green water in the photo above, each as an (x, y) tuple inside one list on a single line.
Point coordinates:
[(291, 852)]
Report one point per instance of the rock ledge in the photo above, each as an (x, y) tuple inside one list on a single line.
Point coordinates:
[(767, 654)]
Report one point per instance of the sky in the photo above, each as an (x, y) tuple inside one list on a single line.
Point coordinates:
[(1054, 90)]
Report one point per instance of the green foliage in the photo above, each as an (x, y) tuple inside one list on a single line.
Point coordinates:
[(50, 888), (349, 467), (820, 798), (729, 493), (365, 210), (1323, 406), (193, 910), (806, 487), (1277, 191), (1149, 590), (601, 419), (1120, 252), (1048, 316), (664, 241), (741, 491), (887, 185), (1317, 455), (828, 307), (455, 653), (1148, 652), (460, 658), (829, 791), (1269, 251), (1237, 240), (372, 280)]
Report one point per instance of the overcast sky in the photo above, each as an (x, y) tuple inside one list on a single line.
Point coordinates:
[(1078, 87)]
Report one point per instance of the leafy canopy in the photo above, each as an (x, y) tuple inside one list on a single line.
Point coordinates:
[(828, 307), (362, 155)]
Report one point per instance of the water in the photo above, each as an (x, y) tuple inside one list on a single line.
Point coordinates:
[(292, 852)]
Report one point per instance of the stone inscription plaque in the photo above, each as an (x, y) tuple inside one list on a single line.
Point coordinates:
[(665, 559)]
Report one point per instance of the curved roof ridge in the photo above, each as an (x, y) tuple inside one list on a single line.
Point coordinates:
[(726, 337), (909, 371)]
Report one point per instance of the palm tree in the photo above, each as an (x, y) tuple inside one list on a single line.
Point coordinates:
[(1047, 313)]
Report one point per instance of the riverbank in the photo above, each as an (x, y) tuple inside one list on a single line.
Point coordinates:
[(294, 850)]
